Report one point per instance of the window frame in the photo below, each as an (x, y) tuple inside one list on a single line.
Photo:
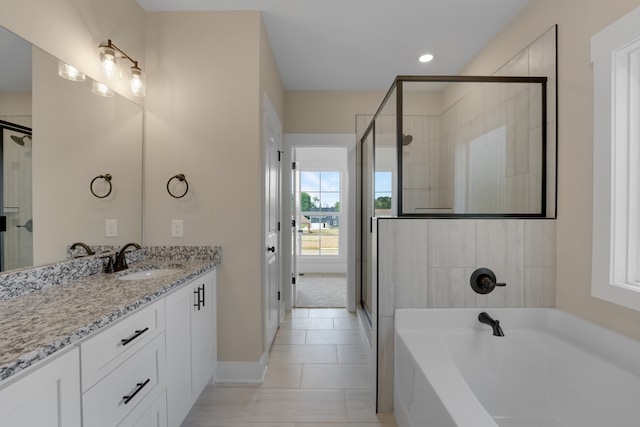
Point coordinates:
[(615, 54), (322, 213)]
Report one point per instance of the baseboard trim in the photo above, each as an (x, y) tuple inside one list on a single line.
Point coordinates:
[(242, 372)]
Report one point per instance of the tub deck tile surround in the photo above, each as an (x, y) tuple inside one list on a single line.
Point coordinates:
[(61, 305)]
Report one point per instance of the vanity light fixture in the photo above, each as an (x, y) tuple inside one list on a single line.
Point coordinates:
[(101, 89), (70, 72), (427, 57), (109, 58)]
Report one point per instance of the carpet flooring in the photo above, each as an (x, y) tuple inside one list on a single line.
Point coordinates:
[(316, 290)]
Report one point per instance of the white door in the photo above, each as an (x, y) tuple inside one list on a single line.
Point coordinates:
[(296, 227), (272, 139)]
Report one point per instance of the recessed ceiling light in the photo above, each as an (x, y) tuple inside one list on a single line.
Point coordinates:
[(427, 57)]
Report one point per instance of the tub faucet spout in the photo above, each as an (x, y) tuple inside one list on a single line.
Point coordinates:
[(495, 324)]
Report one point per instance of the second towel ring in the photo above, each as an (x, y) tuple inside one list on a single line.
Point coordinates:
[(106, 177), (180, 177)]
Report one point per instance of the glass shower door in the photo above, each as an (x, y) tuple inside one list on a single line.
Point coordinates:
[(16, 241)]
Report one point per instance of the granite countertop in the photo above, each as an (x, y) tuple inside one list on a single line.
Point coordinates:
[(38, 324)]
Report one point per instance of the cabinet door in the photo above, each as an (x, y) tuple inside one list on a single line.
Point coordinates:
[(202, 335), (178, 318), (46, 397)]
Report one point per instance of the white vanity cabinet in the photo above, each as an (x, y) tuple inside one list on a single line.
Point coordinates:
[(191, 344), (47, 396), (123, 369)]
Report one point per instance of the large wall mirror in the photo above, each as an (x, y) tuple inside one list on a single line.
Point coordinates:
[(57, 136)]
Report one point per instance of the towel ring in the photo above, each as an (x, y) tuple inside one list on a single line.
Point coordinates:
[(180, 177), (106, 177)]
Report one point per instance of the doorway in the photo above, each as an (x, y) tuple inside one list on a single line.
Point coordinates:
[(322, 212)]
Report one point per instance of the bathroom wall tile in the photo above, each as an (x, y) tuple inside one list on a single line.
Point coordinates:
[(551, 170), (535, 169), (540, 287), (402, 267), (450, 288), (452, 243), (385, 364), (540, 243), (500, 247), (516, 193)]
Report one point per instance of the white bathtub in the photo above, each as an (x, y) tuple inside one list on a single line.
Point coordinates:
[(550, 369)]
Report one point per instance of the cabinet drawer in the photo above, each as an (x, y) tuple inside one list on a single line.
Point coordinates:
[(137, 381), (154, 415), (104, 352)]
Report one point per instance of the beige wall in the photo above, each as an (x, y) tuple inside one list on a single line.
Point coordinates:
[(328, 112), (15, 104), (577, 21), (203, 117), (72, 30), (90, 136)]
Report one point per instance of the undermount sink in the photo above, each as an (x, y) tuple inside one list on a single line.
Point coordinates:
[(149, 274)]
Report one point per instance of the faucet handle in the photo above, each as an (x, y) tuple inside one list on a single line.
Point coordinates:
[(483, 281), (108, 268)]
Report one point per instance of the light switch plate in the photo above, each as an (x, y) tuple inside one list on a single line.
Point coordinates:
[(111, 228), (177, 228)]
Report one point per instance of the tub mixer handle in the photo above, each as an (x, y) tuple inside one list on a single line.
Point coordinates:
[(484, 281)]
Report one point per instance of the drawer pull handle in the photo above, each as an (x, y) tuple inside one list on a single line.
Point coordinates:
[(134, 336), (139, 387), (197, 299)]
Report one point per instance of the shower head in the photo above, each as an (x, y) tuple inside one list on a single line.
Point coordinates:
[(406, 140), (20, 140)]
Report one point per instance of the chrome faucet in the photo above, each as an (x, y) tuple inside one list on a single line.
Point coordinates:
[(121, 261), (495, 324), (83, 246)]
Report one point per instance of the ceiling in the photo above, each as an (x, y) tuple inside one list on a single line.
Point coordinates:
[(364, 44)]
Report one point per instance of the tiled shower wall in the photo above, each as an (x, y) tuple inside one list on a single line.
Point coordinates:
[(427, 263)]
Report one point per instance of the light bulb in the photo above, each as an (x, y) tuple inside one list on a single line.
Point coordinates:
[(109, 63), (137, 82), (69, 72), (101, 89), (427, 57)]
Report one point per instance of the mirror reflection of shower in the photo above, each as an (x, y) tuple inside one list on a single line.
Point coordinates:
[(16, 237), (20, 140)]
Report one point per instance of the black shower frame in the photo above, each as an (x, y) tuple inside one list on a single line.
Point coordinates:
[(397, 85)]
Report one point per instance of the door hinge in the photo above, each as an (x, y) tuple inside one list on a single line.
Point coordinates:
[(293, 165), (278, 225), (280, 155), (293, 280), (278, 295), (293, 222)]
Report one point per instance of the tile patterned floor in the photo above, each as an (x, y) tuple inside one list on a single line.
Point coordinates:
[(318, 376)]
